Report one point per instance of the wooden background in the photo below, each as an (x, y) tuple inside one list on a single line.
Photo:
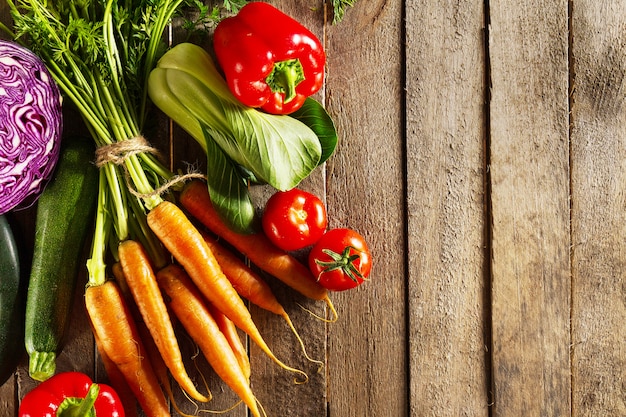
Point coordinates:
[(483, 156)]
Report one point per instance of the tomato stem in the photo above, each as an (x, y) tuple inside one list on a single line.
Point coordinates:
[(344, 261)]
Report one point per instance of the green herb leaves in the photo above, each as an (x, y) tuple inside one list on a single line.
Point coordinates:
[(100, 54), (339, 9)]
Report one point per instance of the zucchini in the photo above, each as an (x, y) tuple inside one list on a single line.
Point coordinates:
[(64, 214), (11, 303)]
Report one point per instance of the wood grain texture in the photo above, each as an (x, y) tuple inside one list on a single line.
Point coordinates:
[(446, 177), (598, 215), (367, 370), (529, 165)]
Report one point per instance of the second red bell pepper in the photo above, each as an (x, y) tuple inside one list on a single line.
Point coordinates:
[(270, 60), (71, 394)]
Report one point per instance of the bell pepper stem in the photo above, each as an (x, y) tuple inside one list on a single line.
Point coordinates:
[(285, 77), (85, 406)]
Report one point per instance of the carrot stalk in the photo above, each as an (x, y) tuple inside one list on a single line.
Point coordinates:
[(255, 246), (188, 304), (187, 245), (251, 286), (141, 280), (114, 326)]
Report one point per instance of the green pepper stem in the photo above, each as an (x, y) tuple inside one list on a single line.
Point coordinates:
[(84, 407), (285, 77)]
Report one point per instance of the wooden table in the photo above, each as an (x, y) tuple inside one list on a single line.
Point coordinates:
[(483, 156)]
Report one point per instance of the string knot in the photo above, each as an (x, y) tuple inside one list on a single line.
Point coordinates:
[(117, 152)]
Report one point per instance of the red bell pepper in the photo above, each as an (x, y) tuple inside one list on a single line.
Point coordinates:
[(71, 394), (269, 59)]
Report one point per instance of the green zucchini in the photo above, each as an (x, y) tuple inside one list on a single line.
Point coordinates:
[(64, 215), (11, 303)]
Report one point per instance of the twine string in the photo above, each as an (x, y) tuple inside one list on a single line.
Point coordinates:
[(118, 152)]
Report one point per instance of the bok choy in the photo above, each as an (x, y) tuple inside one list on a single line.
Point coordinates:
[(242, 144)]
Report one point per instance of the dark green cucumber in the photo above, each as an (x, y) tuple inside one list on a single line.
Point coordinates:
[(11, 303), (64, 217)]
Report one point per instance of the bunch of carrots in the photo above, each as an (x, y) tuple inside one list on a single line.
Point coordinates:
[(147, 257), (204, 284)]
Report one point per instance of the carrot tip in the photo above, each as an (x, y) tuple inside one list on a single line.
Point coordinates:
[(170, 394), (298, 381), (288, 368), (301, 342), (330, 305)]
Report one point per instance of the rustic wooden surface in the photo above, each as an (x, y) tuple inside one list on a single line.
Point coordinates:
[(483, 156)]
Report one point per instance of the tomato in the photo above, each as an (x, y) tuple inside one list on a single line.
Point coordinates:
[(294, 219), (340, 260)]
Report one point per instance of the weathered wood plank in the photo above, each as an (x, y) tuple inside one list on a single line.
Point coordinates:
[(367, 362), (445, 79), (528, 49), (276, 389), (598, 216)]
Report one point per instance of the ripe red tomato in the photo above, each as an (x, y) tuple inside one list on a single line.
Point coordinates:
[(294, 219), (340, 260)]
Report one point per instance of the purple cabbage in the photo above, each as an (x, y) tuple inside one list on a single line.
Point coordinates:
[(31, 124)]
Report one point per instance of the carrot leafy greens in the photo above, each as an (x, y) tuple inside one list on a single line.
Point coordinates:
[(100, 53), (339, 9)]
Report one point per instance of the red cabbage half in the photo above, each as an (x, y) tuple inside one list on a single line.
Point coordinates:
[(31, 125)]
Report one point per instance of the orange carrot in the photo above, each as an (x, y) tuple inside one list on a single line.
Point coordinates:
[(160, 369), (185, 243), (229, 330), (188, 304), (114, 327), (152, 352), (118, 274), (250, 285), (117, 380), (246, 282), (256, 246), (141, 280)]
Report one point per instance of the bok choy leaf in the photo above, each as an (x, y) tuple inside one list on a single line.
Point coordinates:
[(277, 150), (314, 115), (228, 189)]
